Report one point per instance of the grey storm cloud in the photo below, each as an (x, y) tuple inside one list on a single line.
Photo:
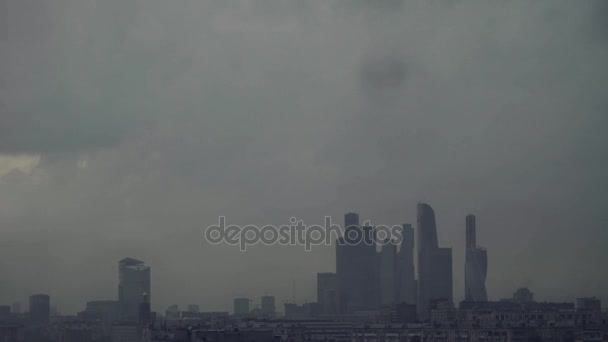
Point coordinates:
[(152, 118)]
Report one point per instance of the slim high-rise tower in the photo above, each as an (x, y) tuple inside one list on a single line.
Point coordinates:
[(367, 265), (475, 267), (406, 273), (351, 220), (345, 266), (144, 312), (388, 273), (327, 293), (434, 263), (471, 232)]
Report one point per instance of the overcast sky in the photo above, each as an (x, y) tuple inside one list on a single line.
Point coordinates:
[(127, 127)]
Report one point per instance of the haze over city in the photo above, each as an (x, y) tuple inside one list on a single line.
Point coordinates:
[(128, 127)]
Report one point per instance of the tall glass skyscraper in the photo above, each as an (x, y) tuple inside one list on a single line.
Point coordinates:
[(388, 274), (345, 267), (475, 267), (40, 308), (406, 273), (357, 267), (434, 263), (328, 293), (133, 287)]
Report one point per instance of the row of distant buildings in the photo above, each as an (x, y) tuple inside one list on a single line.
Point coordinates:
[(372, 297), (267, 308), (129, 314), (488, 322)]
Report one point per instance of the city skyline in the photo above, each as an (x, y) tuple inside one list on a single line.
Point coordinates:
[(128, 127), (366, 277)]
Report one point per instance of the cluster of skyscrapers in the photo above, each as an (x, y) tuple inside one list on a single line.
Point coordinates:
[(366, 279)]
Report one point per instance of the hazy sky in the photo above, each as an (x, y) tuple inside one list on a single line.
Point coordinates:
[(127, 127)]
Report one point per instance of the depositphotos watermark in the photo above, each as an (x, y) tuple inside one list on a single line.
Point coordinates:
[(298, 234)]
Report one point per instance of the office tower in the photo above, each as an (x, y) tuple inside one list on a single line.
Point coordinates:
[(406, 273), (144, 312), (523, 295), (134, 282), (341, 272), (327, 293), (475, 267), (106, 311), (304, 311), (588, 303), (16, 308), (193, 308), (471, 232), (124, 332), (442, 272), (78, 334), (241, 306), (40, 310), (345, 264), (268, 306), (368, 271), (357, 267), (388, 273), (172, 312), (351, 220), (434, 263), (406, 313), (5, 311), (589, 310)]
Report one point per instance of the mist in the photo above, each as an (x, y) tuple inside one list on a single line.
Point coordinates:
[(127, 128)]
